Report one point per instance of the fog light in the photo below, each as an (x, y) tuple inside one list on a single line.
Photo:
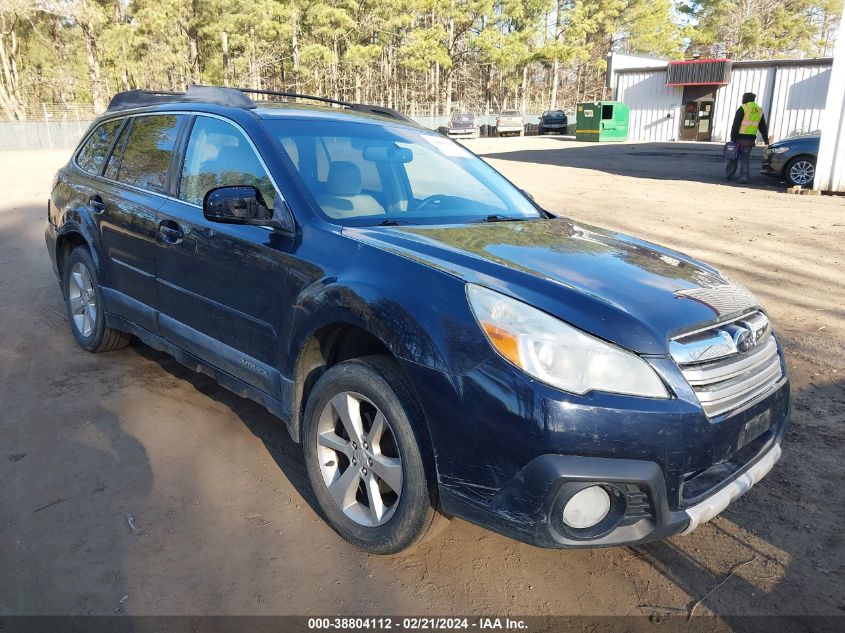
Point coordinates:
[(586, 508)]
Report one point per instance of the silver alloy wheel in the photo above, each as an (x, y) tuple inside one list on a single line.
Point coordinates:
[(359, 459), (82, 299), (802, 172)]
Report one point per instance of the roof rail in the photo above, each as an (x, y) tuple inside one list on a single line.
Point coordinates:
[(294, 95), (358, 107), (231, 97), (234, 98)]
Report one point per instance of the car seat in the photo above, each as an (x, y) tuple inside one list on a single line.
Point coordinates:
[(342, 197)]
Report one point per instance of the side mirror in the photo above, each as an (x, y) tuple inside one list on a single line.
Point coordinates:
[(244, 204)]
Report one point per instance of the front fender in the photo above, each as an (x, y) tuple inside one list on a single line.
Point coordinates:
[(427, 322)]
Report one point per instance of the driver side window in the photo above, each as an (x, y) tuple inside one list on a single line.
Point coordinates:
[(219, 155)]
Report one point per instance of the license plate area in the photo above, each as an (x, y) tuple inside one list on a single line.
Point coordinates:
[(754, 428)]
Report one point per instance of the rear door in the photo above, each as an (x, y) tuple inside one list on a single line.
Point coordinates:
[(83, 191), (134, 188), (222, 286)]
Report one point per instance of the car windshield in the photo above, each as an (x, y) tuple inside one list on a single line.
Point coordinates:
[(463, 116), (360, 173), (554, 114), (511, 113)]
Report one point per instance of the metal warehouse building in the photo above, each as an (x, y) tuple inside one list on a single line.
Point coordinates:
[(696, 100)]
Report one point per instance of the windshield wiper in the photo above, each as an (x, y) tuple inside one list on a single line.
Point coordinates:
[(498, 217), (394, 222)]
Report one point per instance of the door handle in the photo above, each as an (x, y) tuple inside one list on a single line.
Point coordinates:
[(170, 232), (96, 203)]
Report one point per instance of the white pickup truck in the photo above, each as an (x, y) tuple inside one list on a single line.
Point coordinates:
[(510, 122)]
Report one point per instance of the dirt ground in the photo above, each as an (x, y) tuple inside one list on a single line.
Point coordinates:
[(131, 485)]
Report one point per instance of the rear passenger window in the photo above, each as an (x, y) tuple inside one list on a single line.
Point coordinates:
[(147, 152), (113, 166), (93, 154), (219, 155)]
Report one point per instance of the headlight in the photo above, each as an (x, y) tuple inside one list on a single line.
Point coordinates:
[(779, 150), (558, 354)]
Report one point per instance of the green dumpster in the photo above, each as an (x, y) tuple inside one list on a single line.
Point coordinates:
[(602, 121)]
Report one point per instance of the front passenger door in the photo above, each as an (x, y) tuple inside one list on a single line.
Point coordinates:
[(222, 286)]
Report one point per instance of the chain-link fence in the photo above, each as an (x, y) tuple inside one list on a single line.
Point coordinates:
[(45, 126), (60, 126)]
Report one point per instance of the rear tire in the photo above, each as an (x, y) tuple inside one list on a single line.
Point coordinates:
[(364, 449), (84, 304)]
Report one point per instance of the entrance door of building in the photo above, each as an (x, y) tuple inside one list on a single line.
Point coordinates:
[(697, 120)]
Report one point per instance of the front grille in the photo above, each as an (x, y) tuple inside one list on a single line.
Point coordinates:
[(723, 376)]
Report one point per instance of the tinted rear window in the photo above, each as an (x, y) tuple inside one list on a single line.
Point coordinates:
[(93, 154), (511, 113), (554, 114), (146, 156)]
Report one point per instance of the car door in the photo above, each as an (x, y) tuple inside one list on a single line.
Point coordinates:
[(222, 286), (134, 187), (85, 188)]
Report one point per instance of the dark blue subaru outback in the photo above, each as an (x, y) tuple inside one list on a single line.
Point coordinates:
[(433, 339)]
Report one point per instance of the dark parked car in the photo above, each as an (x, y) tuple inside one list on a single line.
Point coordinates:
[(793, 159), (431, 337), (462, 125), (554, 121)]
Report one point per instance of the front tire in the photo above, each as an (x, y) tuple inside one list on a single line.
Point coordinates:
[(363, 445), (800, 171), (84, 303)]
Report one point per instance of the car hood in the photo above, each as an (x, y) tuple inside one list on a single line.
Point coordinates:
[(617, 287), (808, 139)]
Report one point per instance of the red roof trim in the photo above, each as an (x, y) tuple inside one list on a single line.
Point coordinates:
[(701, 83), (698, 61)]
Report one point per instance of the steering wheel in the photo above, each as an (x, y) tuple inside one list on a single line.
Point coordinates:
[(435, 199)]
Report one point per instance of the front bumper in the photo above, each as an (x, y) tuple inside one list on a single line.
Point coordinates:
[(530, 510), (520, 447), (713, 505), (773, 164), (462, 133)]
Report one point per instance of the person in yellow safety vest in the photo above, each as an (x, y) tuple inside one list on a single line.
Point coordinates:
[(748, 121)]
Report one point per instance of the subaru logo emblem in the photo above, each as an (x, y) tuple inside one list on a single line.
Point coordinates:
[(749, 332), (744, 339)]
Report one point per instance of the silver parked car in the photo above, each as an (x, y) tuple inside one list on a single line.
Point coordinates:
[(510, 122)]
